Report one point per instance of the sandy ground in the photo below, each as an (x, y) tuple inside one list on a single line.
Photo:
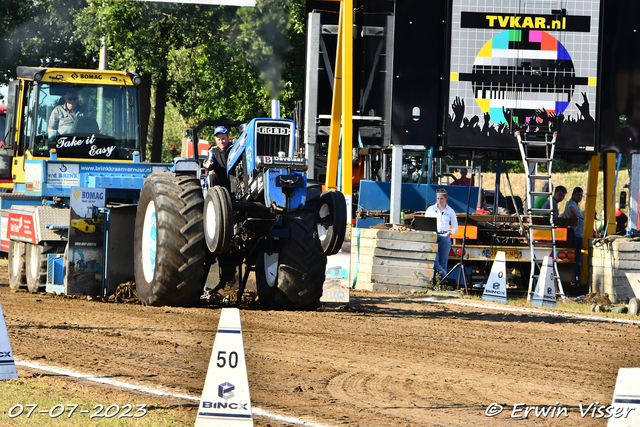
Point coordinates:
[(383, 360)]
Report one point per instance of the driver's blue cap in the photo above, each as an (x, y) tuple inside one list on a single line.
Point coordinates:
[(220, 129)]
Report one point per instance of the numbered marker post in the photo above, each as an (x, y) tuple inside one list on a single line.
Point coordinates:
[(496, 287), (626, 399), (225, 398), (7, 364), (545, 294)]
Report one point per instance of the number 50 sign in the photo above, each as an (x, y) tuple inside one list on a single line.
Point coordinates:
[(226, 400)]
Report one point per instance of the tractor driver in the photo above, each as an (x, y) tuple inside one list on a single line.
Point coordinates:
[(63, 116), (217, 158)]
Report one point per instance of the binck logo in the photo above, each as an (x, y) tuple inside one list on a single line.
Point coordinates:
[(225, 390), (496, 285)]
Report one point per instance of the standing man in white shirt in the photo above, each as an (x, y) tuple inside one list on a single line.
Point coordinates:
[(447, 226), (572, 210)]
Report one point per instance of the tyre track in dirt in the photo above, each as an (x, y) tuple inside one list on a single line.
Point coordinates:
[(386, 361)]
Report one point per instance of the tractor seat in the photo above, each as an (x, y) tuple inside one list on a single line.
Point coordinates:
[(85, 124)]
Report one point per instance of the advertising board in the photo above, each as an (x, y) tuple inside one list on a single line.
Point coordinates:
[(530, 66)]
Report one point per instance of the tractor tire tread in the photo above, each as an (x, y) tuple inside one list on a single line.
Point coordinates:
[(179, 276)]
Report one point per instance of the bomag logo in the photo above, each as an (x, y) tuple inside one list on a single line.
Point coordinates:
[(91, 76), (93, 195)]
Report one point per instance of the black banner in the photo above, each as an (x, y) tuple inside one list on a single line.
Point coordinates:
[(86, 146), (498, 21)]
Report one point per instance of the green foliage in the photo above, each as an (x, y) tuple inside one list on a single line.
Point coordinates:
[(141, 35), (271, 35), (219, 62), (213, 81), (174, 127), (39, 33)]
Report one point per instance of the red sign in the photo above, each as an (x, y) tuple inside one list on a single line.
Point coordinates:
[(203, 148), (21, 227), (4, 234)]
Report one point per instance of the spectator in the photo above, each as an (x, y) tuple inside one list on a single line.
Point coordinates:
[(463, 180), (599, 225), (558, 195), (447, 226), (572, 210), (621, 221), (539, 200)]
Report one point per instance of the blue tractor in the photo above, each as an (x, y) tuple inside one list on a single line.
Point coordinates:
[(272, 220)]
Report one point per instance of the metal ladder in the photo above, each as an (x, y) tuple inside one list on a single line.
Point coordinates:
[(535, 152)]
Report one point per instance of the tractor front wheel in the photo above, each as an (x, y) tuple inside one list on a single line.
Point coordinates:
[(331, 222), (218, 219)]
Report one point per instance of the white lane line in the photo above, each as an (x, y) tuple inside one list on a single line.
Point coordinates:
[(525, 310), (159, 391)]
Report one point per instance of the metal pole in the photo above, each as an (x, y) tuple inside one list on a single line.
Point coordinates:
[(634, 191), (396, 184), (100, 113), (311, 93)]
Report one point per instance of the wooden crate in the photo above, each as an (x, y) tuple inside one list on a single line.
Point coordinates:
[(390, 260), (614, 268)]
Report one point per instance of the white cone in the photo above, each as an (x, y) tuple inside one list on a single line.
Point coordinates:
[(7, 364), (225, 398), (626, 399), (496, 287), (545, 294)]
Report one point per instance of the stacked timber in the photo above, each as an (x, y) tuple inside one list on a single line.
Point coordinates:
[(614, 267), (392, 260)]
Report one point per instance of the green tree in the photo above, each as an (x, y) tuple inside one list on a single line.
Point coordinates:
[(210, 61), (259, 56), (39, 33), (142, 36)]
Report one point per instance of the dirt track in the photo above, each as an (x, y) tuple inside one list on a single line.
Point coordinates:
[(385, 361)]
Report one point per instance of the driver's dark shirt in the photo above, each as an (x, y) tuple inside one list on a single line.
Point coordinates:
[(219, 166)]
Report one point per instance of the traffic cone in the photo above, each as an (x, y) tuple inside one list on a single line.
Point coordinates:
[(7, 364), (496, 287), (545, 294)]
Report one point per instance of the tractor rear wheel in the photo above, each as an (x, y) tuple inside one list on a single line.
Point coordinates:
[(300, 271), (218, 219), (169, 241), (331, 222), (36, 266), (17, 266)]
